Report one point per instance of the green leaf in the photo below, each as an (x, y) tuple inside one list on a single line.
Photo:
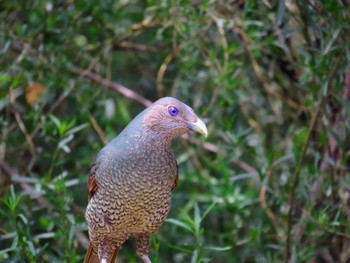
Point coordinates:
[(23, 218), (63, 143), (77, 129), (206, 212), (31, 247), (56, 121), (218, 248), (280, 12), (194, 257), (179, 223), (197, 219)]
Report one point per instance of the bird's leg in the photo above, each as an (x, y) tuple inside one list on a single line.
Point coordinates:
[(142, 243), (146, 259), (103, 251)]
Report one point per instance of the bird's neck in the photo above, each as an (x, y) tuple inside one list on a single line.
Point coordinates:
[(158, 140)]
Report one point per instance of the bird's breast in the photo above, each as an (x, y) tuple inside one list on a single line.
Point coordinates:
[(134, 190)]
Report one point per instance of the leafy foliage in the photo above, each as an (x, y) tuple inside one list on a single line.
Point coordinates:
[(270, 78)]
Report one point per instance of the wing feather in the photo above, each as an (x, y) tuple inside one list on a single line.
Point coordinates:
[(92, 184), (176, 178)]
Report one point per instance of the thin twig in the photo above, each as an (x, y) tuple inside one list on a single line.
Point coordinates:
[(97, 128), (112, 85), (163, 67), (330, 231), (24, 131), (10, 172), (146, 23), (6, 169), (262, 195), (262, 198), (137, 47), (301, 160)]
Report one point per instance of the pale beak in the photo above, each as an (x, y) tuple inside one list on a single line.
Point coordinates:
[(198, 126)]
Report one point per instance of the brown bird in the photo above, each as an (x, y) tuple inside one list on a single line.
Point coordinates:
[(132, 177)]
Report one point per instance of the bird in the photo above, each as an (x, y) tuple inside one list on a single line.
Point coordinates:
[(132, 177)]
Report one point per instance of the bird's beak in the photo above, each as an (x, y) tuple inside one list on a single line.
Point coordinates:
[(198, 126)]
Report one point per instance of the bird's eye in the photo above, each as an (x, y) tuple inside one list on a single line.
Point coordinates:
[(173, 111)]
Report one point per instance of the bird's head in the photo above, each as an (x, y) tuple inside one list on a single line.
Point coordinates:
[(173, 118)]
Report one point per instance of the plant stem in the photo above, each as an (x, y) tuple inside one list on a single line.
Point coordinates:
[(302, 158)]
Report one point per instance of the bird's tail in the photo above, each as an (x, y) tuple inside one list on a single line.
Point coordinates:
[(92, 257)]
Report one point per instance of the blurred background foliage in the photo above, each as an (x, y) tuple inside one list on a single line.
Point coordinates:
[(270, 78)]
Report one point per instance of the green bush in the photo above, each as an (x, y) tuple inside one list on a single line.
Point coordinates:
[(270, 78)]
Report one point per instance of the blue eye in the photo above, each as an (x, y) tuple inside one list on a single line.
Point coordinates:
[(173, 111)]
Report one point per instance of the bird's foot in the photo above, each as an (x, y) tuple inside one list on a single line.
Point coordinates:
[(146, 259)]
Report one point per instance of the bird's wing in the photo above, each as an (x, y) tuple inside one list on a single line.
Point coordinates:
[(92, 184), (176, 178)]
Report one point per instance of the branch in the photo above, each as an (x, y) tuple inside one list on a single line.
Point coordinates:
[(160, 75), (301, 160), (14, 177), (111, 85), (23, 128), (97, 128), (137, 47)]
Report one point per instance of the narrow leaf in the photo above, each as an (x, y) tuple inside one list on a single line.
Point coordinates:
[(197, 218), (218, 248), (179, 223), (280, 12)]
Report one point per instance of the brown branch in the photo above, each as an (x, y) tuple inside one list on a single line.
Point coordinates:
[(146, 23), (246, 167), (265, 206), (195, 160), (98, 129), (262, 194), (111, 85), (24, 131), (137, 47), (13, 176), (302, 158), (160, 75), (206, 145), (6, 169)]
